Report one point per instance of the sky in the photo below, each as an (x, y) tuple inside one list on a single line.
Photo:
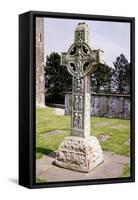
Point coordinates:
[(112, 37)]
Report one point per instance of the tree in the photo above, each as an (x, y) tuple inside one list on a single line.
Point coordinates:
[(128, 76), (121, 74), (57, 79), (102, 78)]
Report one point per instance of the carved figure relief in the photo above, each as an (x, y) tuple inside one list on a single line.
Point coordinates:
[(79, 36), (81, 103), (75, 153), (75, 120), (72, 151), (78, 85), (76, 103), (80, 121)]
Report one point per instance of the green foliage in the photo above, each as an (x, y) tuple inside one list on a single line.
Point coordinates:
[(128, 75), (121, 73), (102, 77), (118, 131), (57, 79)]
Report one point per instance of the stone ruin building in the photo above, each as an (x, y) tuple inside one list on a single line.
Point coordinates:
[(40, 81)]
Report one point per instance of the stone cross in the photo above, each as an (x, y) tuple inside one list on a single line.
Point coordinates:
[(81, 61), (80, 151)]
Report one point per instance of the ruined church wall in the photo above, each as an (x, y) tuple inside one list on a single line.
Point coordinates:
[(105, 105)]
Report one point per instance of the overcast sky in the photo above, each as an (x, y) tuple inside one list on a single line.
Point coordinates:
[(112, 37)]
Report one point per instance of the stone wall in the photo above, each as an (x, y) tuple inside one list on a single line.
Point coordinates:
[(40, 81), (105, 105)]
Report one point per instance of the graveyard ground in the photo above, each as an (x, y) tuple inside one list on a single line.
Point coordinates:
[(51, 128)]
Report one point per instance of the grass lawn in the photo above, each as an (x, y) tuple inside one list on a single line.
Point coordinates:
[(126, 172), (117, 130)]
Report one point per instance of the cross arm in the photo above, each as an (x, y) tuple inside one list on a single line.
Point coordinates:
[(98, 54)]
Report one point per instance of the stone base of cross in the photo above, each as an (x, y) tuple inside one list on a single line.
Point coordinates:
[(80, 151), (79, 154)]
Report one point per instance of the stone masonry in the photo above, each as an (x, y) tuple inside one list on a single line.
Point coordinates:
[(80, 151), (40, 81), (104, 105)]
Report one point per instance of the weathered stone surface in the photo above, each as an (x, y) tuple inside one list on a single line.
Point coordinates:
[(120, 159), (40, 81), (105, 105), (80, 154), (103, 137), (55, 132)]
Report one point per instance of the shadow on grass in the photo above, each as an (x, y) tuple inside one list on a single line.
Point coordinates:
[(43, 151)]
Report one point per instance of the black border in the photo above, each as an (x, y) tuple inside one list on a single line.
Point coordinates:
[(27, 161)]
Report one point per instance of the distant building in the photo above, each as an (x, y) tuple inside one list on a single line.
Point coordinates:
[(40, 80)]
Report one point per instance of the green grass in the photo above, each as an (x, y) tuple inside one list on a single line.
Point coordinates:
[(126, 172), (118, 131), (46, 121), (38, 180)]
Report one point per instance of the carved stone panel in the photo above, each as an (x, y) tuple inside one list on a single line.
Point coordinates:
[(78, 102), (87, 115), (78, 85), (81, 154)]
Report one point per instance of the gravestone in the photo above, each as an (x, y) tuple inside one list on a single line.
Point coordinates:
[(80, 151)]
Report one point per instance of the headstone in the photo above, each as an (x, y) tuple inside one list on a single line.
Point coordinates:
[(80, 151)]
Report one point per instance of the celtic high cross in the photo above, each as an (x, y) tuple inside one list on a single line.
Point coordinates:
[(81, 61)]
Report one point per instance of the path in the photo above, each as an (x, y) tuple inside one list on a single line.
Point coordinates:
[(112, 167), (59, 111)]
